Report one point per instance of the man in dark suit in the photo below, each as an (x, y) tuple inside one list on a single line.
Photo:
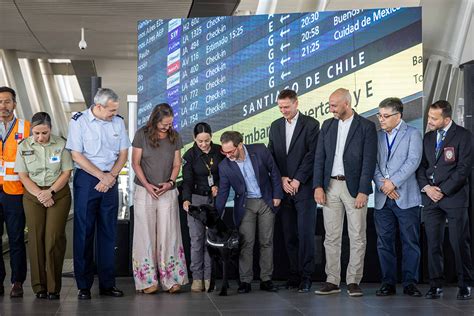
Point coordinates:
[(443, 178), (251, 172), (292, 142), (344, 166)]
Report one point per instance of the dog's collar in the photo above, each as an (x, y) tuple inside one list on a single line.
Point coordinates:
[(231, 243)]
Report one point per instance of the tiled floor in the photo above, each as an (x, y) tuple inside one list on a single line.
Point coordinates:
[(255, 303)]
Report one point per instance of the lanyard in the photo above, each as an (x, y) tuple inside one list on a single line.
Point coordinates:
[(390, 144), (208, 166), (8, 132)]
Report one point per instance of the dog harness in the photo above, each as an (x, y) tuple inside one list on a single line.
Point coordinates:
[(231, 243)]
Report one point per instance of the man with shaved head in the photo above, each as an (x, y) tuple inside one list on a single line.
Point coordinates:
[(344, 166)]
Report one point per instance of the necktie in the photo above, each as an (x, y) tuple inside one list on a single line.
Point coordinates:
[(439, 141)]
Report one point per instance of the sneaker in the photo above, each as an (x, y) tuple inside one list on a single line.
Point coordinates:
[(353, 289), (197, 286), (328, 288)]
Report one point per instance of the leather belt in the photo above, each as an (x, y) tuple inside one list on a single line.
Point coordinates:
[(339, 178)]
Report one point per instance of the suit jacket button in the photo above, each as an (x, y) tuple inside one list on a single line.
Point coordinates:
[(435, 167)]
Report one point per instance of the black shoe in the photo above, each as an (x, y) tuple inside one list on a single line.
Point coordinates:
[(412, 290), (41, 294), (244, 287), (268, 286), (434, 293), (53, 296), (305, 286), (464, 293), (386, 290), (113, 291), (84, 294), (2, 290)]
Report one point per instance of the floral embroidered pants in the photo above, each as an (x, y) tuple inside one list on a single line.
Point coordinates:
[(158, 254)]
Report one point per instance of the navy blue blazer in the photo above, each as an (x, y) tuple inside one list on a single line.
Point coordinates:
[(359, 158), (451, 170), (268, 177), (298, 162)]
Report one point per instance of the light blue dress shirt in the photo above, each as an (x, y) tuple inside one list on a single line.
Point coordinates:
[(99, 141), (251, 183)]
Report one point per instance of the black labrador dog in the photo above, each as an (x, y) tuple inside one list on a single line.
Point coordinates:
[(222, 242)]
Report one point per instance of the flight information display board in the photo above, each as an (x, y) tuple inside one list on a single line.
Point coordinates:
[(227, 71)]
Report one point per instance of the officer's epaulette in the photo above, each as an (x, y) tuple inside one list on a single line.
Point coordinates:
[(64, 138), (77, 115), (120, 116), (21, 141)]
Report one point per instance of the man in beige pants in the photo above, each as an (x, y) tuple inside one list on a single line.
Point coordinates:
[(344, 166)]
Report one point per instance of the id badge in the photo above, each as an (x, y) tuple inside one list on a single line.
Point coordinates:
[(210, 180), (54, 159)]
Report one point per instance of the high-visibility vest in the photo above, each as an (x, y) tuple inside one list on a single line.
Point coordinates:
[(9, 179)]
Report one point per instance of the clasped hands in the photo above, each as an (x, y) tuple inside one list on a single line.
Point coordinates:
[(156, 190), (290, 186), (389, 189), (45, 197), (107, 181)]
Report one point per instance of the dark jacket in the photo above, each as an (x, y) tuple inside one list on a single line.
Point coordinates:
[(195, 171), (359, 158), (266, 172), (451, 170), (298, 162)]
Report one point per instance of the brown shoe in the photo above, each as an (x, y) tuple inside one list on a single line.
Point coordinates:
[(175, 289), (328, 288), (354, 290), (17, 290), (197, 286)]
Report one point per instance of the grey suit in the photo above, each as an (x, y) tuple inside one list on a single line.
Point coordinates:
[(400, 168)]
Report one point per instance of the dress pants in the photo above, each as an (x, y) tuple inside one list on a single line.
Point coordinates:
[(408, 221), (94, 211), (257, 212), (47, 239), (338, 202), (11, 212), (201, 265), (298, 218), (459, 238)]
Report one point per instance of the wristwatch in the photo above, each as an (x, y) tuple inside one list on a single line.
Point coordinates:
[(173, 183)]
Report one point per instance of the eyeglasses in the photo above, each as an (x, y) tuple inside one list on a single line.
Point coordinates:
[(386, 116), (230, 152)]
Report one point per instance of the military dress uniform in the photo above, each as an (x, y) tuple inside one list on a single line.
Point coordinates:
[(46, 225), (100, 142)]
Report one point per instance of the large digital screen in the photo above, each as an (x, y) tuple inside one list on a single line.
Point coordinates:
[(228, 71)]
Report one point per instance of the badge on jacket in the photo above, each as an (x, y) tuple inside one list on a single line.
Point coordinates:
[(449, 154)]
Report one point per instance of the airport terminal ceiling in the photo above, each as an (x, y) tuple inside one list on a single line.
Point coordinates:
[(51, 29)]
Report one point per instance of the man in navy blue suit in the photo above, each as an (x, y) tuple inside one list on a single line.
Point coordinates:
[(252, 173)]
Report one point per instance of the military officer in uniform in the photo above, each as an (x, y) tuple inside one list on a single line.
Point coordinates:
[(44, 167), (12, 131), (99, 146)]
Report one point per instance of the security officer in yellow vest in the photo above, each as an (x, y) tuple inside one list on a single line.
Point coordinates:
[(99, 146), (44, 167), (12, 131)]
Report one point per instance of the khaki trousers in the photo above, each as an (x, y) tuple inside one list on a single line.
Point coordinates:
[(47, 239), (338, 202)]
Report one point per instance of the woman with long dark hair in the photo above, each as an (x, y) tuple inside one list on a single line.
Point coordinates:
[(158, 254)]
